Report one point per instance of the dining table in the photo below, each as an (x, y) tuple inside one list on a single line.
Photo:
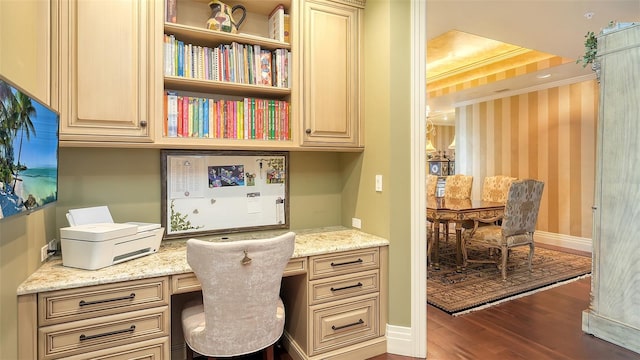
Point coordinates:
[(448, 210)]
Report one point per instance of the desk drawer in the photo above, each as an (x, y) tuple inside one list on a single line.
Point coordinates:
[(88, 335), (88, 302), (188, 282), (342, 323), (343, 263), (345, 286), (157, 349)]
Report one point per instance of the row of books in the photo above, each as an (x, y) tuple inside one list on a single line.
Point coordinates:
[(249, 118), (235, 62)]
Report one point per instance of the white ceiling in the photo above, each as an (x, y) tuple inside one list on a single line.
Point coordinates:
[(552, 26)]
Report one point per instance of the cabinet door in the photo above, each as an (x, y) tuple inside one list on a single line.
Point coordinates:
[(106, 68), (331, 74)]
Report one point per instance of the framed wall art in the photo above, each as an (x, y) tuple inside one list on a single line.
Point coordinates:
[(215, 192)]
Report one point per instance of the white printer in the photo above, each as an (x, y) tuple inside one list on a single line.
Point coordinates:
[(94, 241)]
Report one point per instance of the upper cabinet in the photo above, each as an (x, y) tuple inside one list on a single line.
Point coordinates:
[(228, 89), (331, 80), (106, 70), (146, 73)]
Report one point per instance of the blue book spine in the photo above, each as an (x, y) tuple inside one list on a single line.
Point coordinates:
[(180, 58), (205, 105)]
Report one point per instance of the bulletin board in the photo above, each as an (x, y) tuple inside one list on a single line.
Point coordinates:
[(215, 192)]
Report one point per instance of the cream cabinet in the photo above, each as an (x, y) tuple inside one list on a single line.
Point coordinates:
[(338, 309), (613, 313), (106, 69), (115, 321), (331, 81)]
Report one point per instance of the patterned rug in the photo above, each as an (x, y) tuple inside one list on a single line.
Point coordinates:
[(482, 284)]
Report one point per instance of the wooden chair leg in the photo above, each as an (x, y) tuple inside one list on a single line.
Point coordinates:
[(505, 255), (268, 353)]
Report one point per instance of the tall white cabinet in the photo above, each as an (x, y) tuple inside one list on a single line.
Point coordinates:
[(614, 313)]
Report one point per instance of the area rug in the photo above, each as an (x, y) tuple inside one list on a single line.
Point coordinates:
[(481, 284)]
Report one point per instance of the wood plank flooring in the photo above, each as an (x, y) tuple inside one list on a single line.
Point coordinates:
[(545, 325)]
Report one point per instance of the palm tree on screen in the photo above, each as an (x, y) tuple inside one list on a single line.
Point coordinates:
[(23, 111)]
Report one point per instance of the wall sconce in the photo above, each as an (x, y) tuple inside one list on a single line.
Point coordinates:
[(452, 146)]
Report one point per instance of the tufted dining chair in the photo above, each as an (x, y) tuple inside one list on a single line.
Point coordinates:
[(240, 311), (518, 224)]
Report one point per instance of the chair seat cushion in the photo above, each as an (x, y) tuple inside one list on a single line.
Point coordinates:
[(193, 326), (492, 236)]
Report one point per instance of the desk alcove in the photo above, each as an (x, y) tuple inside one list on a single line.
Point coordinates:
[(334, 289)]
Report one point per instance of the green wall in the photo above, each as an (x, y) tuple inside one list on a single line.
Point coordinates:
[(325, 188), (128, 181)]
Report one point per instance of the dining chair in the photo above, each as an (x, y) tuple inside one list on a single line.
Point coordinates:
[(457, 187), (240, 311), (494, 189), (432, 183), (518, 225)]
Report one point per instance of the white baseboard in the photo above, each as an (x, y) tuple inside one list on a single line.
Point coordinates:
[(400, 341), (562, 240)]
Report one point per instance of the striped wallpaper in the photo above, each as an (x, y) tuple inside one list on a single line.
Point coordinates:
[(549, 135), (443, 137)]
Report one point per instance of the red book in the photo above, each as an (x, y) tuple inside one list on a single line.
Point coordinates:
[(180, 116)]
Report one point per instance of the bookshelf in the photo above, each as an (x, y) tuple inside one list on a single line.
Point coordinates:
[(237, 87)]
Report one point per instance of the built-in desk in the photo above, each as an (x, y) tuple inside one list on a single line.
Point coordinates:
[(335, 294)]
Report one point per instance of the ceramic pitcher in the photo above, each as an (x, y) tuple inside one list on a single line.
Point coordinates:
[(222, 17)]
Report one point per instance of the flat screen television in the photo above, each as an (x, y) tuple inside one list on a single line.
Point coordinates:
[(28, 151)]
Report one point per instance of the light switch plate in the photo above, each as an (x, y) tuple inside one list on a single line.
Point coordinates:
[(378, 182)]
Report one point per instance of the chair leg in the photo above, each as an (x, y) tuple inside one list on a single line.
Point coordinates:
[(268, 353), (505, 255), (189, 353), (531, 250)]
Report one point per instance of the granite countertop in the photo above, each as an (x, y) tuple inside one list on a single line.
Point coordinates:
[(171, 259)]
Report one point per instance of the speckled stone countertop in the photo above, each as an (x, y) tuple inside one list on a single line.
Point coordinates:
[(171, 259)]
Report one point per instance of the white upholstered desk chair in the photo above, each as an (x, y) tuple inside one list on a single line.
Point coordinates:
[(241, 311)]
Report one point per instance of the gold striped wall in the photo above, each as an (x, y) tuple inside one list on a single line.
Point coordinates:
[(548, 135), (532, 61)]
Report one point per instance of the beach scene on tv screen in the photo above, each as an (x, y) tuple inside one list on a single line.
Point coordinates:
[(28, 152)]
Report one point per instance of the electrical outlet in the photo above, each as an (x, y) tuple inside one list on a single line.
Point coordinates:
[(44, 254), (356, 223)]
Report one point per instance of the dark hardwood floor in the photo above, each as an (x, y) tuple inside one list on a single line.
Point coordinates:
[(545, 325)]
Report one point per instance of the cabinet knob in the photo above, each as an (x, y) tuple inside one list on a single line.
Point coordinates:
[(308, 131), (143, 123)]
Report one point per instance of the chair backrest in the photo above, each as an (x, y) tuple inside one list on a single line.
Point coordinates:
[(496, 188), (432, 183), (458, 186), (240, 286), (522, 207)]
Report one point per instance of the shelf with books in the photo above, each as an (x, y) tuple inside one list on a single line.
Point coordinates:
[(230, 68), (201, 35), (248, 118), (223, 87)]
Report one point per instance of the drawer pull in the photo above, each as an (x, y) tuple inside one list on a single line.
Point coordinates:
[(85, 303), (347, 263), (85, 337), (359, 284), (359, 322)]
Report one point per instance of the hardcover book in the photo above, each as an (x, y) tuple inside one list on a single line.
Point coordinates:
[(276, 23)]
